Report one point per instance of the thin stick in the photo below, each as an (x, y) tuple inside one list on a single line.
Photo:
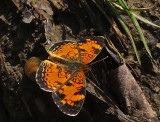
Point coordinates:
[(107, 98)]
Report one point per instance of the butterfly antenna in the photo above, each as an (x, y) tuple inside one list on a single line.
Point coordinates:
[(107, 98), (94, 77), (98, 61)]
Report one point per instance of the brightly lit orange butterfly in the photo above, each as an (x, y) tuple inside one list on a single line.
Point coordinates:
[(63, 72)]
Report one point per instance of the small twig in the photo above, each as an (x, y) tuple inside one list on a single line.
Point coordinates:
[(111, 103)]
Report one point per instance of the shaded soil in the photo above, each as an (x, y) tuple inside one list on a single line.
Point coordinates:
[(21, 99)]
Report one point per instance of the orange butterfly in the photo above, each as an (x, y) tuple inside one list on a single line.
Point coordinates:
[(63, 72)]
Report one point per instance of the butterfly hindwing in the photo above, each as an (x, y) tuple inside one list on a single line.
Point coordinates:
[(70, 97)]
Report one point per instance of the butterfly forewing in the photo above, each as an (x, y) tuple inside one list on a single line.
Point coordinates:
[(90, 48), (50, 76)]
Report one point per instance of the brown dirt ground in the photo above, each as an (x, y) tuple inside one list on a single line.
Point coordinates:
[(21, 100)]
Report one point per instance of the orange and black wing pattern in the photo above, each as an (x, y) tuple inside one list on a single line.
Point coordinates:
[(68, 88), (89, 48), (50, 76), (66, 50), (70, 97), (84, 51)]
